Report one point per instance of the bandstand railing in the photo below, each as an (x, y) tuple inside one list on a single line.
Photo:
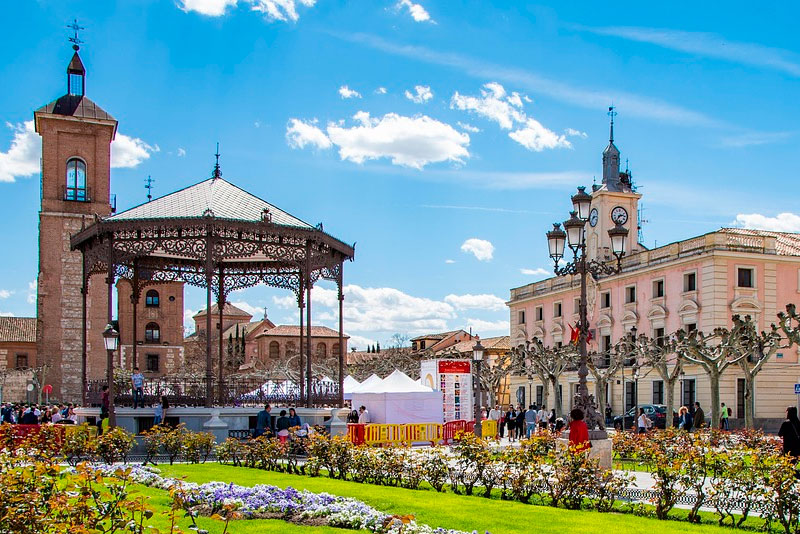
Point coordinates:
[(235, 392)]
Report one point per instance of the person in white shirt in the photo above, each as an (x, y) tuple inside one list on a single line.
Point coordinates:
[(363, 415), (494, 414), (544, 417), (55, 416), (643, 423)]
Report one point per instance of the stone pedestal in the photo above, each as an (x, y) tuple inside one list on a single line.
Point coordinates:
[(601, 449), (336, 425), (216, 426)]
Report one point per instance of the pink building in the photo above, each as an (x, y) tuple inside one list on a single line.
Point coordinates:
[(696, 283)]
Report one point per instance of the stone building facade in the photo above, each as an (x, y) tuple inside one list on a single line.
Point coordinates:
[(17, 358), (159, 347), (697, 283), (75, 180)]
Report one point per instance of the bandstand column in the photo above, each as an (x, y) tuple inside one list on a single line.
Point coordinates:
[(301, 305), (112, 417), (84, 290), (309, 400), (342, 354), (209, 363), (220, 306), (135, 291)]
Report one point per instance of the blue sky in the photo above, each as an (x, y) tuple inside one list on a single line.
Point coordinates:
[(443, 137)]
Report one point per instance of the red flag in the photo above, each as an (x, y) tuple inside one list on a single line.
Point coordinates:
[(573, 335)]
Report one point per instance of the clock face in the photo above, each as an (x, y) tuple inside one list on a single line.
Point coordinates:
[(619, 215), (593, 217)]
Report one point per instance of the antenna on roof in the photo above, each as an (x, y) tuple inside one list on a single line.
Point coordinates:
[(148, 184), (217, 172), (74, 39)]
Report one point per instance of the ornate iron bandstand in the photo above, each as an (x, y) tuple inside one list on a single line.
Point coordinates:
[(216, 236)]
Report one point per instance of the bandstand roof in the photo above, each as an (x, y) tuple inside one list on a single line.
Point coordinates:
[(224, 200)]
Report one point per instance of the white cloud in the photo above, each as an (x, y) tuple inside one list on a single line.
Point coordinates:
[(210, 8), (417, 12), (32, 290), (482, 249), (421, 94), (475, 302), (482, 327), (380, 91), (709, 45), (468, 127), (257, 124), (635, 105), (282, 10), (6, 314), (300, 133), (536, 137), (535, 272), (753, 139), (359, 342), (22, 158), (188, 322), (493, 103), (408, 141), (449, 262), (181, 152), (5, 293), (572, 132), (346, 92), (128, 152), (256, 312), (782, 222)]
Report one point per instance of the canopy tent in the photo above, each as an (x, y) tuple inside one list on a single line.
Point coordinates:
[(399, 399), (350, 384), (368, 383)]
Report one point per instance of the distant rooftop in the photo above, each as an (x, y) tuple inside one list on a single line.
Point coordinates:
[(18, 329)]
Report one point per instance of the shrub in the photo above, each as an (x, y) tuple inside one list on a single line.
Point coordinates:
[(197, 446), (231, 451), (570, 477), (114, 445), (173, 439), (435, 467), (153, 439), (78, 444)]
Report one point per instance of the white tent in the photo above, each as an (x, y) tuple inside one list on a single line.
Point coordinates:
[(399, 399), (368, 383), (350, 384)]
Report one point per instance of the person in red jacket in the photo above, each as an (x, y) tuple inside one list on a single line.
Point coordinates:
[(578, 431)]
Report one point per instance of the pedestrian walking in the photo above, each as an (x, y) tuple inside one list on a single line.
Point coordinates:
[(530, 421), (699, 416), (685, 419), (511, 422), (790, 432), (263, 421), (723, 417), (520, 421), (137, 384), (643, 423)]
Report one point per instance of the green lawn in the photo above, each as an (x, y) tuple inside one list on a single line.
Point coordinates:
[(159, 502), (449, 510)]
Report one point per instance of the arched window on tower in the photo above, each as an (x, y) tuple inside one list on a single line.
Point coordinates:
[(274, 350), (152, 333), (322, 350), (76, 181), (151, 299)]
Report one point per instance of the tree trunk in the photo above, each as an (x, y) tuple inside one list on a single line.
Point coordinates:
[(713, 378), (545, 393), (600, 386), (670, 401), (557, 402), (749, 400)]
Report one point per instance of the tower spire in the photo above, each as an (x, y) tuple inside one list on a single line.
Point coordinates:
[(74, 39), (611, 113), (76, 74), (217, 171)]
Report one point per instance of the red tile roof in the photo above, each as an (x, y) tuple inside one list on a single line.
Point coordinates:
[(787, 243), (229, 310), (292, 330), (18, 329)]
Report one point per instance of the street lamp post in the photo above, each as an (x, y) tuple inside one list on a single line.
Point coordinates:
[(574, 234), (477, 358), (636, 399), (111, 340)]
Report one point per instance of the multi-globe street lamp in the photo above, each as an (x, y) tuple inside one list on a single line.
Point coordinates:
[(111, 340), (574, 234), (477, 359)]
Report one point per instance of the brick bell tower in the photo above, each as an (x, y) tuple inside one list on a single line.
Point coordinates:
[(75, 182)]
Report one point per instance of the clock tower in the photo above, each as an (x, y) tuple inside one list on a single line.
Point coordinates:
[(613, 201), (75, 180)]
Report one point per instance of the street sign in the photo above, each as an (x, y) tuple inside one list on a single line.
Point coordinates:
[(47, 389), (797, 389)]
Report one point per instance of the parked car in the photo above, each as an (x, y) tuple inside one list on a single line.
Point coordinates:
[(656, 412)]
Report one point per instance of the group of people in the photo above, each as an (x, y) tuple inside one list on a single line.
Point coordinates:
[(34, 414), (360, 416), (520, 423), (278, 427)]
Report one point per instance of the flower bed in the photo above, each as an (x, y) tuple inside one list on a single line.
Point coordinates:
[(270, 502)]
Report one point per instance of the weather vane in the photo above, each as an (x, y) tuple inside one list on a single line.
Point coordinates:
[(217, 171), (148, 184), (75, 29)]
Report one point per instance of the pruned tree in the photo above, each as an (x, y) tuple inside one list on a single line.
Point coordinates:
[(604, 366), (714, 353), (398, 341), (757, 348), (660, 355), (789, 323), (551, 362), (385, 363)]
